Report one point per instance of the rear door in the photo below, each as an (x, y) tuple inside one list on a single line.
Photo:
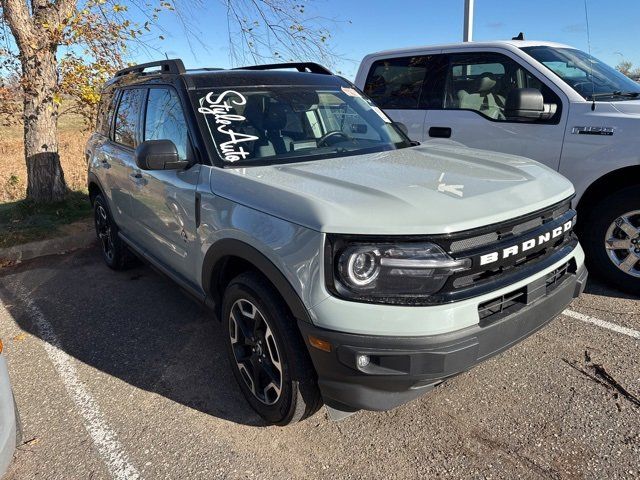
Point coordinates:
[(117, 157), (476, 88), (164, 201), (395, 85)]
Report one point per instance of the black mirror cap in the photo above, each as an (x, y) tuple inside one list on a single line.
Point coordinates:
[(158, 155), (526, 104)]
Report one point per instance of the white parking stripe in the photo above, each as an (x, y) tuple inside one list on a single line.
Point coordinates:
[(102, 435), (602, 323)]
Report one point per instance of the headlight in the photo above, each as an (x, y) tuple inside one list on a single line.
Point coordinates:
[(386, 272)]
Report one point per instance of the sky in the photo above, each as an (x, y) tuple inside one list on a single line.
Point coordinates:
[(361, 27)]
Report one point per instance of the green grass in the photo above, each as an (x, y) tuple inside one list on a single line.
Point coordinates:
[(24, 221)]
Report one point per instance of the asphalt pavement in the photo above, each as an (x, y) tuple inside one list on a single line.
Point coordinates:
[(122, 375)]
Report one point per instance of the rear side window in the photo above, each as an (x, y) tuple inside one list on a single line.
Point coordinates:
[(128, 116), (165, 120), (396, 83), (105, 112)]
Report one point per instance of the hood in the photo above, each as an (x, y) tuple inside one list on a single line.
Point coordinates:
[(628, 107), (430, 189)]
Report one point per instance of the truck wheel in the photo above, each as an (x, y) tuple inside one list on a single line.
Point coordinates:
[(611, 238), (267, 354), (114, 251)]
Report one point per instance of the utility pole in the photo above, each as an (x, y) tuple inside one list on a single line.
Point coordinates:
[(468, 21)]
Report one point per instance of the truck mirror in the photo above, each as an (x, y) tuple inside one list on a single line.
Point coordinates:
[(526, 104), (159, 155)]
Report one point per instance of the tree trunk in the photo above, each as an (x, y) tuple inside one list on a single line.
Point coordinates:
[(45, 180)]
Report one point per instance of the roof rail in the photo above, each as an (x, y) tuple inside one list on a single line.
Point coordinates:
[(166, 66), (309, 67)]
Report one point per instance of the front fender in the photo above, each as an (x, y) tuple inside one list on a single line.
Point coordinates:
[(288, 254)]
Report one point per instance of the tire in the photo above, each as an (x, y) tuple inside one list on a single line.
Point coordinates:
[(271, 355), (114, 251), (601, 226)]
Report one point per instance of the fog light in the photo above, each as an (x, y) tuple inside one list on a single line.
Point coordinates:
[(363, 360)]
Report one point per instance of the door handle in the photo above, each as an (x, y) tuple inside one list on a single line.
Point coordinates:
[(440, 132), (138, 179)]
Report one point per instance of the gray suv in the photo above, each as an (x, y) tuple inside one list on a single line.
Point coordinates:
[(349, 265)]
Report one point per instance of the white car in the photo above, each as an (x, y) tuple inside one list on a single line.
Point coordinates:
[(9, 420), (546, 101)]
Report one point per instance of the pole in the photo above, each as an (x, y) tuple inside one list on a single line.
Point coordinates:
[(468, 21)]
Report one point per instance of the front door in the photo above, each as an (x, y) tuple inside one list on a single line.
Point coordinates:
[(476, 88), (164, 200)]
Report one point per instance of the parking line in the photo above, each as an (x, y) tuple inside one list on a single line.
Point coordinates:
[(602, 323), (103, 436)]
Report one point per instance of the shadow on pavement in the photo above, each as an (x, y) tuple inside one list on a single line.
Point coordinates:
[(136, 325), (596, 287)]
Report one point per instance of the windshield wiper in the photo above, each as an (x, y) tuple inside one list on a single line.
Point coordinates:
[(617, 93)]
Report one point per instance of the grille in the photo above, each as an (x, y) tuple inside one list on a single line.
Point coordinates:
[(474, 242), (491, 240), (499, 307), (505, 232)]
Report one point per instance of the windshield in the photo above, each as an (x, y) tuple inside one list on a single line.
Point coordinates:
[(265, 125), (587, 75)]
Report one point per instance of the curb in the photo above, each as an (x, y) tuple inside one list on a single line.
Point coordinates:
[(74, 236)]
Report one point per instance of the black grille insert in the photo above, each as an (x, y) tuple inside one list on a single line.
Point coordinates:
[(509, 303)]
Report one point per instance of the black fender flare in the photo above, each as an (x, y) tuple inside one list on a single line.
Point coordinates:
[(212, 267), (93, 178)]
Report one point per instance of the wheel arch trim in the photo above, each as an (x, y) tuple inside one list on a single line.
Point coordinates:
[(214, 262), (603, 185)]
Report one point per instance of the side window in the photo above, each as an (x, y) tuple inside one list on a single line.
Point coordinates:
[(482, 82), (105, 112), (165, 119), (396, 83), (127, 117)]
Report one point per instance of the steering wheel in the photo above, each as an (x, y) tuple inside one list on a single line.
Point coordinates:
[(336, 133)]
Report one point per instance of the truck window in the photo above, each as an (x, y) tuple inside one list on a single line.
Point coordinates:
[(396, 83), (127, 117), (587, 75), (165, 120), (482, 82)]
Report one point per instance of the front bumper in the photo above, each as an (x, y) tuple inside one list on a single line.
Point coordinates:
[(402, 368), (7, 419)]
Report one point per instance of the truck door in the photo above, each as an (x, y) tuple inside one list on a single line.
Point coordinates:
[(395, 85), (476, 86)]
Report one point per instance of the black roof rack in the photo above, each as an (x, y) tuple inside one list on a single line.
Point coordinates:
[(166, 66), (309, 67)]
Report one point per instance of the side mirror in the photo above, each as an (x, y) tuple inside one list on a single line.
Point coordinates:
[(526, 104), (402, 127), (159, 155)]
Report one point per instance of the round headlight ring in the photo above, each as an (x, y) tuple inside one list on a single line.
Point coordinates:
[(362, 267)]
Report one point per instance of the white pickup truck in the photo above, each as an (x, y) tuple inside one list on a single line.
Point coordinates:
[(546, 101)]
